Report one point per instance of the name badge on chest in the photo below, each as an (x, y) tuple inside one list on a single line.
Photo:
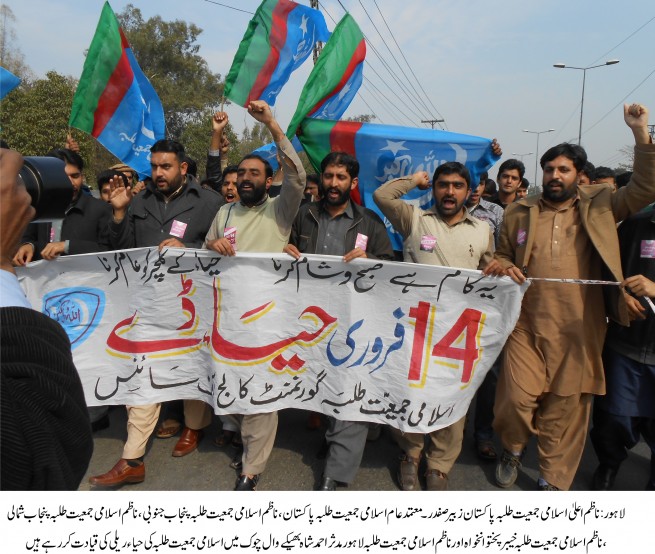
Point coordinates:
[(361, 241), (178, 229), (648, 249), (521, 237), (428, 242), (230, 233)]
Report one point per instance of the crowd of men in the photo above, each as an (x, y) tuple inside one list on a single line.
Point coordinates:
[(574, 346)]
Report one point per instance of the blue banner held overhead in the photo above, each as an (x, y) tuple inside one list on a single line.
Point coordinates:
[(269, 152), (387, 152), (8, 82)]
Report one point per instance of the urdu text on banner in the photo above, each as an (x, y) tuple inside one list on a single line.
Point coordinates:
[(401, 344)]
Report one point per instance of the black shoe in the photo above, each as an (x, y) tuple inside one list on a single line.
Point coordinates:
[(100, 424), (603, 479), (237, 460), (245, 483), (327, 484), (547, 487), (507, 469)]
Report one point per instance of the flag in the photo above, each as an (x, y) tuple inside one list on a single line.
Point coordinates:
[(8, 82), (114, 100), (279, 38), (387, 152), (269, 152), (336, 77)]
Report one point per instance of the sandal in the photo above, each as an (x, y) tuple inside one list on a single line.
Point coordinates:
[(168, 429), (486, 450)]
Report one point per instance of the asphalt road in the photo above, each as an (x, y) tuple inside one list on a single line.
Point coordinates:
[(294, 466)]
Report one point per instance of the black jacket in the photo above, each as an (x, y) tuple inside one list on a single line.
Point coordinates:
[(637, 341), (84, 226), (149, 219), (45, 434), (304, 232), (214, 173)]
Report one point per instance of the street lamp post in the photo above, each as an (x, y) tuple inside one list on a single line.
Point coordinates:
[(521, 155), (584, 77), (536, 155)]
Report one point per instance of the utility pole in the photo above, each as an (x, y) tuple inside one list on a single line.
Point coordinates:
[(319, 45), (432, 121)]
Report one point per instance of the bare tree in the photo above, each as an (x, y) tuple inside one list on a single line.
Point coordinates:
[(11, 58), (629, 153)]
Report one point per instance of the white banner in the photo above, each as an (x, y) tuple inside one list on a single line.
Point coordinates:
[(401, 344)]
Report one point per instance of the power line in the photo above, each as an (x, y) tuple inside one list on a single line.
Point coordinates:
[(393, 75), (400, 84), (619, 103), (387, 99), (418, 117), (382, 104), (369, 64), (375, 116), (624, 40), (327, 12), (561, 127), (417, 97), (372, 68), (406, 61), (612, 159), (230, 7)]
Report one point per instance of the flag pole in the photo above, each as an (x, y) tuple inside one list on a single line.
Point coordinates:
[(318, 46)]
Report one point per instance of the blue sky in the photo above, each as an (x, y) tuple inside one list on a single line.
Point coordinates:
[(486, 67)]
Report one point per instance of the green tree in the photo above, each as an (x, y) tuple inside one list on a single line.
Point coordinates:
[(167, 53), (196, 137), (34, 116), (251, 139), (34, 120)]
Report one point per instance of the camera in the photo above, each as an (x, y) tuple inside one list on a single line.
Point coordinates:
[(48, 185)]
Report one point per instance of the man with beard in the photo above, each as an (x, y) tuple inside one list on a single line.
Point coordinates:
[(552, 361), (510, 175), (335, 226), (258, 223), (445, 235), (174, 211)]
